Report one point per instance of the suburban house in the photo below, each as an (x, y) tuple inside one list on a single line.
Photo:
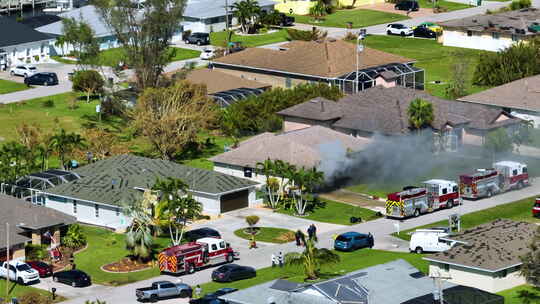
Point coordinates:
[(22, 44), (487, 257), (316, 146), (28, 223), (521, 98), (373, 285), (329, 61), (492, 32), (225, 88), (302, 7), (108, 185), (383, 111)]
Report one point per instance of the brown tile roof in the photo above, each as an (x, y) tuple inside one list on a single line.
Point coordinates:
[(21, 214), (512, 22), (384, 110), (217, 81), (301, 147), (490, 247), (319, 108), (328, 58), (521, 94)]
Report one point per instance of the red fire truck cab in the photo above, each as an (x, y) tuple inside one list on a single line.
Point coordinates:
[(536, 208), (190, 257)]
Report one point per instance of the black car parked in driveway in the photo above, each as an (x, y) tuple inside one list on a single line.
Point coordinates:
[(233, 272), (195, 234), (424, 32), (212, 298), (198, 39), (407, 5), (42, 78), (75, 278)]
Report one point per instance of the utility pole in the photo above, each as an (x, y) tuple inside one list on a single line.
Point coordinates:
[(7, 261), (227, 23), (359, 50)]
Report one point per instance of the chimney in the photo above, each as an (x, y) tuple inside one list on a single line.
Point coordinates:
[(322, 106)]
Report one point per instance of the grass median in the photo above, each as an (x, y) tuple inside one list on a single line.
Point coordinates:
[(8, 86), (358, 17), (267, 234), (220, 38)]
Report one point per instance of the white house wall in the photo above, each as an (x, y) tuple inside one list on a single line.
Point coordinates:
[(476, 41), (25, 53), (211, 204), (238, 171)]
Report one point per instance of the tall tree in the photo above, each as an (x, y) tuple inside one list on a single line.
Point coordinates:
[(305, 182), (459, 73), (530, 268), (16, 160), (171, 117), (65, 143), (312, 258), (246, 11), (420, 113), (89, 82), (139, 240), (277, 174), (498, 141), (102, 143), (145, 34), (81, 37)]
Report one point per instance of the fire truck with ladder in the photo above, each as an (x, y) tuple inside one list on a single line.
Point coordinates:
[(504, 176), (190, 257), (435, 194)]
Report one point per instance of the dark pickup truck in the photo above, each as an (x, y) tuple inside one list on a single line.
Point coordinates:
[(286, 20), (163, 290)]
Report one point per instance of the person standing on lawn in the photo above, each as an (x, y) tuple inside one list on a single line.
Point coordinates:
[(274, 259), (280, 259), (198, 291), (298, 237)]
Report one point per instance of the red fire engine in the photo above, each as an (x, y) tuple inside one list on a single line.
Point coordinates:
[(504, 176), (188, 258), (536, 208), (413, 201)]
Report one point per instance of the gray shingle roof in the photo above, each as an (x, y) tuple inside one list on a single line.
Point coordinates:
[(15, 33), (490, 247), (384, 110), (319, 108), (212, 8), (23, 215), (113, 180), (87, 13)]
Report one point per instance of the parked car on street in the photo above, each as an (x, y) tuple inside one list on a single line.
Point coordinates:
[(432, 26), (398, 29), (23, 70), (424, 32), (212, 298), (407, 6), (233, 272), (195, 234), (430, 240), (207, 54), (19, 272), (163, 290), (75, 278), (42, 268), (42, 78), (536, 208), (350, 241), (198, 39)]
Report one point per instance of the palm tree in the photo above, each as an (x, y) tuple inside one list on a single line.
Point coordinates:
[(305, 182), (64, 143), (312, 258), (268, 168), (319, 9), (60, 42), (420, 113), (246, 11), (139, 238)]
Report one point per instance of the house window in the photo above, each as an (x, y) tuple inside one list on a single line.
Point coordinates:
[(288, 82), (248, 172), (503, 274), (28, 52), (446, 267), (469, 33), (117, 211), (74, 206), (495, 35), (96, 206)]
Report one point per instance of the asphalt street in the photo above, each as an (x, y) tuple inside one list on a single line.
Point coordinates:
[(260, 258)]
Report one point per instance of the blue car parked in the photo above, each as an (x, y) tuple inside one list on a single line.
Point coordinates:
[(349, 241)]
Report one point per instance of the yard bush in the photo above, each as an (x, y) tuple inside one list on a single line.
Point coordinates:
[(516, 62), (36, 252), (75, 238), (34, 298), (257, 114), (314, 34), (520, 4)]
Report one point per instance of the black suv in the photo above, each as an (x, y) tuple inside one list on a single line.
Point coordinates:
[(198, 39), (42, 78), (195, 234), (407, 6)]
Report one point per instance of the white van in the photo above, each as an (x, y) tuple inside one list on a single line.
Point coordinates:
[(430, 240)]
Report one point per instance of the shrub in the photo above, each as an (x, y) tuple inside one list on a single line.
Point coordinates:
[(350, 36), (520, 4), (313, 35), (252, 220), (74, 238), (513, 63), (36, 252), (88, 81), (34, 298), (48, 103)]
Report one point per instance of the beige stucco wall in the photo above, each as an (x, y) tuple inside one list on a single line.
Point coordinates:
[(386, 84), (298, 7), (274, 81), (36, 237), (295, 123), (487, 281), (472, 139), (19, 253)]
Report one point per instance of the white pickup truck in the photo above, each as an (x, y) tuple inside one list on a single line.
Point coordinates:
[(20, 272)]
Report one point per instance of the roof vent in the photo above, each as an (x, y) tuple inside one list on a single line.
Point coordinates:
[(474, 20), (282, 48), (314, 100), (332, 39)]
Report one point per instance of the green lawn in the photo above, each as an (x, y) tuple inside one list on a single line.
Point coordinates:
[(335, 213), (435, 58), (112, 57), (350, 261), (63, 60), (17, 290), (7, 86), (106, 247), (358, 17), (450, 6), (511, 296), (265, 234), (220, 38), (518, 211)]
